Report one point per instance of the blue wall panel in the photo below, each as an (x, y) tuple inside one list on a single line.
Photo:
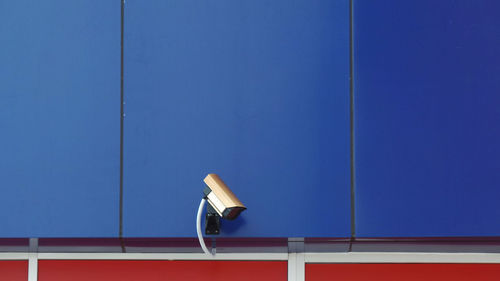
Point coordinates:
[(427, 94), (256, 91), (59, 118)]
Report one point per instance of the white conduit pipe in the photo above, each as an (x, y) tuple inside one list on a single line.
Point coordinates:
[(198, 227)]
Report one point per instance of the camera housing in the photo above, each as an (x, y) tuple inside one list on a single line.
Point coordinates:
[(221, 198)]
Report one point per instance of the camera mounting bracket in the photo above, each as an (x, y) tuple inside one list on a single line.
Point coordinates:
[(212, 221)]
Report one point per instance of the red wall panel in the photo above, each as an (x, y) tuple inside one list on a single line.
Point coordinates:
[(13, 270), (77, 270), (398, 272)]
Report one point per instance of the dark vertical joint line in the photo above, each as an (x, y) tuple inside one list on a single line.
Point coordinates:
[(351, 100), (120, 229)]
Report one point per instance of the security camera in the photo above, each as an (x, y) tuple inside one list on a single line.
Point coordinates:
[(222, 203), (221, 198)]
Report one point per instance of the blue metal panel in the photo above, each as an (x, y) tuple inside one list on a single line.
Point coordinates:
[(59, 118), (427, 118), (256, 91)]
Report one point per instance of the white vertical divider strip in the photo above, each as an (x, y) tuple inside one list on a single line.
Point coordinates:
[(296, 259), (33, 260)]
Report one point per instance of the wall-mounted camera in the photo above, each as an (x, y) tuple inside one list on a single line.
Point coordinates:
[(222, 203), (221, 198)]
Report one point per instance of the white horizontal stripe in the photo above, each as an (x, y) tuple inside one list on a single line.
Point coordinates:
[(309, 257), (14, 256)]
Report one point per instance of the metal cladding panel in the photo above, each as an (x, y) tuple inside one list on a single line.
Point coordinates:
[(59, 270), (59, 118), (13, 270), (255, 91), (427, 118), (396, 272)]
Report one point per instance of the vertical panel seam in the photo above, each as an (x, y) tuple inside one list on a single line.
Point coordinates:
[(122, 115), (351, 101)]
